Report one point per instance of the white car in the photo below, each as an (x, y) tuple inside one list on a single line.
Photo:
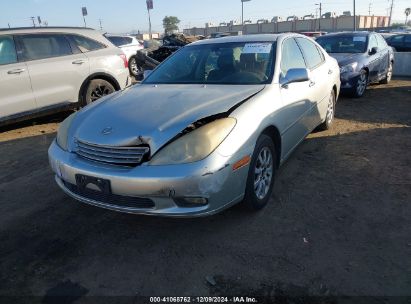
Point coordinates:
[(44, 70), (129, 45)]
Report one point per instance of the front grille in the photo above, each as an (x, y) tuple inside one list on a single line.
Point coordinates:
[(111, 199), (124, 156)]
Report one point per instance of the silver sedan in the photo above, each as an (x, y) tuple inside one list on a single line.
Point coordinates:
[(208, 128)]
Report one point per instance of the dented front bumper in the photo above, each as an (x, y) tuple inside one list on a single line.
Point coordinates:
[(212, 183)]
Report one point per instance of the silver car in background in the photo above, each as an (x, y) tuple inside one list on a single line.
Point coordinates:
[(208, 128), (43, 70)]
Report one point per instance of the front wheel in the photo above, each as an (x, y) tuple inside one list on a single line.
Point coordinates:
[(261, 174), (329, 117), (361, 85)]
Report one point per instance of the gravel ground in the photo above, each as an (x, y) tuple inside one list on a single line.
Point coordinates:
[(337, 224)]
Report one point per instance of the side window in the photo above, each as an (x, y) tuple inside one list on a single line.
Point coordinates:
[(381, 42), (292, 58), (41, 46), (397, 40), (311, 53), (86, 44), (8, 53), (407, 41), (373, 42)]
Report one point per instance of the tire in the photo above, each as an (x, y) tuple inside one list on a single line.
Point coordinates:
[(96, 89), (133, 67), (329, 117), (388, 77), (361, 85), (256, 197)]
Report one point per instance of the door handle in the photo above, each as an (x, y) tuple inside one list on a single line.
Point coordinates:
[(78, 61), (16, 71), (312, 83)]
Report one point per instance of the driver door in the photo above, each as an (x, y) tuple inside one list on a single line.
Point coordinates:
[(295, 99)]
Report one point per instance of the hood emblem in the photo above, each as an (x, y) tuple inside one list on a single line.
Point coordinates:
[(107, 131)]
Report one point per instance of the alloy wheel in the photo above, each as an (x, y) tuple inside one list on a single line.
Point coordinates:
[(100, 91), (330, 110), (134, 67), (362, 84), (263, 173)]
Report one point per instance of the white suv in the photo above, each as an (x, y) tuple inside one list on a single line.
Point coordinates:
[(43, 70), (129, 45)]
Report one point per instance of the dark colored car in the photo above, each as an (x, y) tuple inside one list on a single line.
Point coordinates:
[(400, 42), (364, 57)]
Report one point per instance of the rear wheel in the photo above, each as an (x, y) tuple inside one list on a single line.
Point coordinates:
[(261, 173), (388, 77), (96, 89), (361, 84)]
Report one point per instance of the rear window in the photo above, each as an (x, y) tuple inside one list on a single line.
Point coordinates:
[(8, 53), (86, 44), (41, 46)]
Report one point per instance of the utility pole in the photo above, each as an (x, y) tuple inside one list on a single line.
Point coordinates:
[(355, 18), (242, 10), (369, 9), (321, 13), (150, 6), (9, 25), (32, 19), (101, 26), (392, 6)]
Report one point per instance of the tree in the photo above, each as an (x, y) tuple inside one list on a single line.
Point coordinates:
[(170, 24), (407, 12)]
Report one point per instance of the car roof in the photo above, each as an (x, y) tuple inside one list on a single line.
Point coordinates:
[(349, 33), (247, 38), (48, 29)]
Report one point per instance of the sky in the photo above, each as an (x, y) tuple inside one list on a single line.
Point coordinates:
[(123, 16)]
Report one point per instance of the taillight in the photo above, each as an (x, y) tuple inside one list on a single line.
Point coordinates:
[(124, 57)]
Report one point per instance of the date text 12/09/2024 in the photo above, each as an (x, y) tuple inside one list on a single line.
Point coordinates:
[(203, 300)]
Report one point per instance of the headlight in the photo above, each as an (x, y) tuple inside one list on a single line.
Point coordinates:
[(196, 145), (349, 68), (63, 130)]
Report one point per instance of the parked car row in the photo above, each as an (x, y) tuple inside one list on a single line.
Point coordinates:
[(47, 69), (364, 57), (400, 42)]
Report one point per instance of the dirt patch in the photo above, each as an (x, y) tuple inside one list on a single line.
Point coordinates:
[(337, 224)]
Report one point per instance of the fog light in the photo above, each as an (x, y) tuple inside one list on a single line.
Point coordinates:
[(191, 201)]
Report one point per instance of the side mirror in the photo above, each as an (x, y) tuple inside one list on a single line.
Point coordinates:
[(146, 73), (295, 75), (373, 51)]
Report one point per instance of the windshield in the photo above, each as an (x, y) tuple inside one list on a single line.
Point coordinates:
[(219, 63), (343, 44)]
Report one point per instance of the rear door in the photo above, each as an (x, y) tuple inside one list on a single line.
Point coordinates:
[(16, 95), (407, 43), (384, 55), (374, 59), (57, 70)]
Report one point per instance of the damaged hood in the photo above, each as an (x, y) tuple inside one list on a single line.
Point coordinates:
[(154, 114), (346, 58)]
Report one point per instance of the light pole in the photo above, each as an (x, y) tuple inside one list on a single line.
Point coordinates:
[(355, 19), (319, 20), (242, 10)]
